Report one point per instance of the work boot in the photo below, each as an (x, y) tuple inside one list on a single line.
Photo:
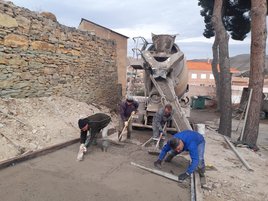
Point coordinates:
[(201, 171), (105, 145), (81, 152), (94, 141), (157, 164), (128, 135), (169, 157)]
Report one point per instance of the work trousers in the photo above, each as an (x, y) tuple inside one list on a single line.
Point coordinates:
[(92, 137), (156, 131), (129, 127), (201, 153)]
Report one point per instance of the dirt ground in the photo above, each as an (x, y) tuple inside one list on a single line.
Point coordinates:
[(229, 179), (30, 124)]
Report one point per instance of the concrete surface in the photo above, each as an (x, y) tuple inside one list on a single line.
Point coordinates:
[(101, 176)]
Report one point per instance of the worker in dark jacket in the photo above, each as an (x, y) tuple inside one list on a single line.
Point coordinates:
[(92, 124), (190, 141), (127, 108)]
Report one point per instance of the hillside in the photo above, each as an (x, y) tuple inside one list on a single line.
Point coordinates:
[(240, 62)]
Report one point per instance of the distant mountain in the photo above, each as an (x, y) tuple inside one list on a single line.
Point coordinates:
[(240, 62)]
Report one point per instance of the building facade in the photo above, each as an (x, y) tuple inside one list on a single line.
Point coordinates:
[(121, 47), (202, 82)]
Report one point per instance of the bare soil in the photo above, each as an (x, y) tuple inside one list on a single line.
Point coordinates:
[(228, 178), (30, 124)]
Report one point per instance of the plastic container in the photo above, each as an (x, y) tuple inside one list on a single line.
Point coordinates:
[(198, 102)]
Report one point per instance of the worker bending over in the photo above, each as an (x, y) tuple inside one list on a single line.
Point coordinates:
[(92, 124), (186, 140), (160, 118)]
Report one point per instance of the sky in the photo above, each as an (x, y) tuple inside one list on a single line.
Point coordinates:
[(141, 18)]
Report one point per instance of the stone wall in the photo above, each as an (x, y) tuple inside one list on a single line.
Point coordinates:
[(40, 57), (121, 47)]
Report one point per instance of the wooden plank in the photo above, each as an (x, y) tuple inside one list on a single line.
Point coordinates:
[(169, 176), (31, 155), (148, 126), (158, 172)]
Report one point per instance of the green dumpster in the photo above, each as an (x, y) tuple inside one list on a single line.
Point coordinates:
[(198, 102)]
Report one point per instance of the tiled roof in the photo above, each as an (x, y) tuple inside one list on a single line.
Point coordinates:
[(204, 66)]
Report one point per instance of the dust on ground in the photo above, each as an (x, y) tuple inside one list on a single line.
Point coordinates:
[(228, 178), (34, 123)]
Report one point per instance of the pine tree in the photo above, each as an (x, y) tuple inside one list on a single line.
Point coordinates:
[(238, 16)]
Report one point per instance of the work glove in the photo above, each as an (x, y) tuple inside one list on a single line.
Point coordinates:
[(157, 163), (82, 151), (126, 123), (83, 148), (183, 176)]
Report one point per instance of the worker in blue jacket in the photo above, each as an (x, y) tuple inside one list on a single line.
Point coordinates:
[(186, 140)]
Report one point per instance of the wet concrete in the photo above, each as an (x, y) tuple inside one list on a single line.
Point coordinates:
[(101, 176)]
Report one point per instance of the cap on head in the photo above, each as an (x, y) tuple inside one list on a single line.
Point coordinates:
[(169, 107), (130, 98), (174, 143), (82, 123)]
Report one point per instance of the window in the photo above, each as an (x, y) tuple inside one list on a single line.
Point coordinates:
[(211, 77), (203, 76), (194, 75)]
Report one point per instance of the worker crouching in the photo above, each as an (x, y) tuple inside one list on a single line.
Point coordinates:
[(93, 125), (187, 140)]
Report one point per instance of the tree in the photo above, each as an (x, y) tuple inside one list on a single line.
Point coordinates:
[(222, 39), (215, 26), (238, 17), (257, 66)]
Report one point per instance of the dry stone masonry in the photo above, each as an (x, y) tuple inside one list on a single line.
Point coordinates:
[(40, 57)]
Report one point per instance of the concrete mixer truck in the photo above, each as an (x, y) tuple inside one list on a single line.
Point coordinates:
[(165, 80)]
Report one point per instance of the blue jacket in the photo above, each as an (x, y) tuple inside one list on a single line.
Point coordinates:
[(191, 140)]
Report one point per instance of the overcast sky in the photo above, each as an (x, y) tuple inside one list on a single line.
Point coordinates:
[(140, 18)]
